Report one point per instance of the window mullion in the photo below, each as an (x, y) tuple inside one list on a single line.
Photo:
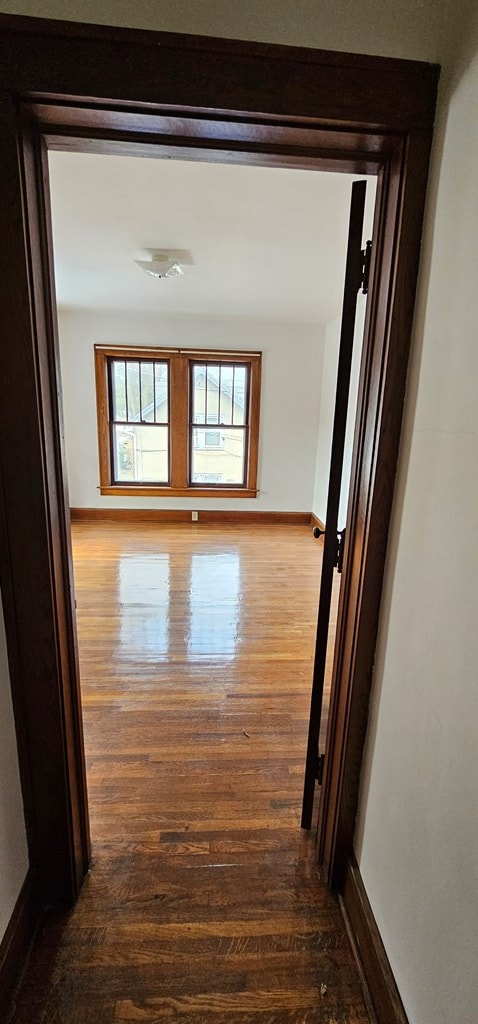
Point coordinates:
[(179, 421), (102, 407), (253, 404)]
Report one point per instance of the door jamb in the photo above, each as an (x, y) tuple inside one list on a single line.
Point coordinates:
[(52, 98)]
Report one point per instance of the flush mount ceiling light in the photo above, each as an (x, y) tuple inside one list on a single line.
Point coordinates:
[(161, 264)]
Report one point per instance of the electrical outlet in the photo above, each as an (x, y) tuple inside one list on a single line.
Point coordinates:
[(194, 516)]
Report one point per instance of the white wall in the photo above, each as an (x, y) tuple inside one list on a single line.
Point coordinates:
[(13, 845), (291, 376), (326, 415), (413, 28), (417, 836), (326, 418)]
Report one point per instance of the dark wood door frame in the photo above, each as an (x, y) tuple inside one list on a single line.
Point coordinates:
[(115, 90)]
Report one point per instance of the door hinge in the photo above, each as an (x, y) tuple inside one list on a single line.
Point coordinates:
[(366, 259), (319, 768)]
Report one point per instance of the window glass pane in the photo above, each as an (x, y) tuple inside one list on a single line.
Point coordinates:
[(147, 392), (220, 463), (161, 371), (240, 395), (227, 372), (118, 389), (212, 401), (132, 380), (199, 393), (140, 454)]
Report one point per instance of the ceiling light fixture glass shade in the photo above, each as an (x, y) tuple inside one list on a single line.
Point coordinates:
[(160, 267)]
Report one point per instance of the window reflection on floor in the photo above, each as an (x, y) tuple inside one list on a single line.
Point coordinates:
[(214, 604), (144, 598), (151, 598)]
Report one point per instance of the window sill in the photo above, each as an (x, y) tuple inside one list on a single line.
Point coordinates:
[(179, 492)]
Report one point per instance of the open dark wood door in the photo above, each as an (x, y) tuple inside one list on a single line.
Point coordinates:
[(356, 272)]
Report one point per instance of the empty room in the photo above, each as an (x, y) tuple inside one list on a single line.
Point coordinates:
[(222, 728), (199, 324)]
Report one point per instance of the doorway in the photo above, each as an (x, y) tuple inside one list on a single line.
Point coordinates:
[(263, 252), (357, 113)]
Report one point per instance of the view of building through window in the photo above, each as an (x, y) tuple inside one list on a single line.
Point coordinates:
[(219, 395), (139, 400)]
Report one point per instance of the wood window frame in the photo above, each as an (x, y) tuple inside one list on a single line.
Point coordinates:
[(180, 363), (113, 90)]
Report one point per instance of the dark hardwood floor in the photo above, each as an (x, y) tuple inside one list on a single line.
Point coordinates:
[(203, 904)]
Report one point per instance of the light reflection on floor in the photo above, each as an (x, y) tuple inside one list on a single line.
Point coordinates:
[(160, 621), (213, 631), (144, 588)]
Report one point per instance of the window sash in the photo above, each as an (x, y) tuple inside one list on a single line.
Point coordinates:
[(128, 363), (138, 453), (213, 416), (233, 434), (217, 370), (137, 414)]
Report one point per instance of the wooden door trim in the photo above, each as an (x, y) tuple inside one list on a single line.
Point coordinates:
[(332, 88), (17, 940), (369, 949), (255, 103)]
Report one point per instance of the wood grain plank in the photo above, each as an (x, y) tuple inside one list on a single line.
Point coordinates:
[(203, 902)]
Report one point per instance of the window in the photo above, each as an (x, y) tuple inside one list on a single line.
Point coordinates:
[(176, 422), (138, 399)]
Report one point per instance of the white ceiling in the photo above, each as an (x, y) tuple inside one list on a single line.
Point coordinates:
[(266, 243)]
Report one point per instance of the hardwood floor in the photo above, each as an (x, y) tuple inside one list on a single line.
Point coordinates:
[(203, 903)]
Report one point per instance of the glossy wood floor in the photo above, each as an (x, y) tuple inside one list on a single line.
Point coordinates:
[(203, 904)]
